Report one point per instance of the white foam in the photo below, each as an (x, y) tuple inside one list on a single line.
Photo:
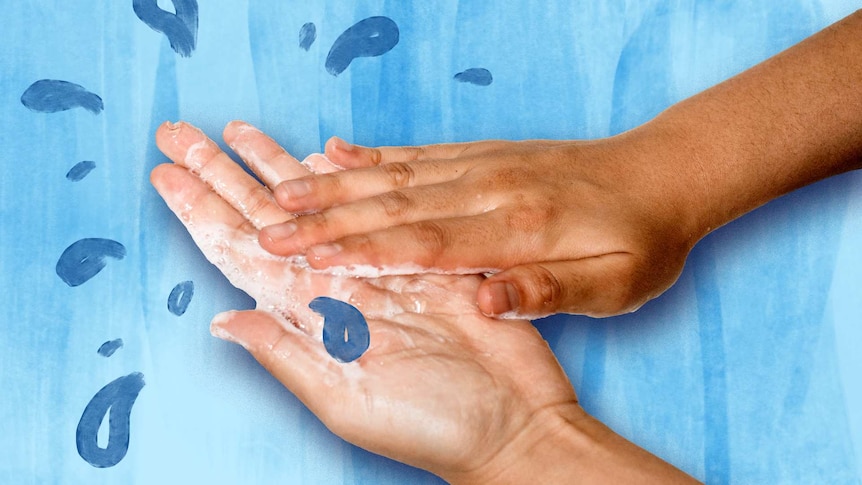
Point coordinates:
[(263, 169), (320, 163), (370, 271), (283, 285), (194, 160)]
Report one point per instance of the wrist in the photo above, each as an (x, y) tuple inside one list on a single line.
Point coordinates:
[(565, 445), (670, 180), (544, 451)]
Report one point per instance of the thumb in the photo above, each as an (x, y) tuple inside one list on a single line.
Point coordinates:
[(296, 359), (598, 286)]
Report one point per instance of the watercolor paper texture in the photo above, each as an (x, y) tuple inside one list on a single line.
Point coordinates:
[(747, 370)]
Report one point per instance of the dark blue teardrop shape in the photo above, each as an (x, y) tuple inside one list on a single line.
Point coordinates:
[(345, 331)]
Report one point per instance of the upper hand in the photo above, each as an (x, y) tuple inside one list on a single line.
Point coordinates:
[(594, 228)]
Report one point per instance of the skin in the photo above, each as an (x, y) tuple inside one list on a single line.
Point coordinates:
[(442, 386), (589, 227)]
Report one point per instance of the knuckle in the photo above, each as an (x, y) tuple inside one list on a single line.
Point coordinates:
[(400, 174), (395, 204), (546, 289), (258, 201), (432, 237), (510, 176), (412, 153), (316, 224), (245, 226), (329, 183), (375, 156), (531, 217)]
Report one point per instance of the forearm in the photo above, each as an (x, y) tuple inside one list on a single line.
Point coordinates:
[(787, 122)]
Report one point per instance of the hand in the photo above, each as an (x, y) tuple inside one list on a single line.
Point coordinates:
[(441, 386), (588, 227), (577, 227)]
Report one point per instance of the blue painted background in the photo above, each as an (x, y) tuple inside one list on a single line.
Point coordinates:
[(747, 370)]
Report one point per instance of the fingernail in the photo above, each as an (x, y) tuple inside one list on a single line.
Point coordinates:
[(294, 189), (343, 145), (218, 328), (280, 231), (171, 125), (504, 297), (324, 251)]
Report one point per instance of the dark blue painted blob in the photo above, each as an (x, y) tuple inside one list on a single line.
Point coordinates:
[(370, 37), (118, 396), (108, 348), (475, 75), (180, 28), (84, 258), (345, 331), (307, 35), (180, 297), (80, 170), (51, 96)]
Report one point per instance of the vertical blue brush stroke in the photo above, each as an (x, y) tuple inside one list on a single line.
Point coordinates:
[(181, 28), (595, 356), (108, 348), (180, 297), (80, 170), (475, 75), (51, 96), (165, 107), (716, 453), (84, 258), (642, 80), (307, 35), (118, 396), (345, 331), (369, 37)]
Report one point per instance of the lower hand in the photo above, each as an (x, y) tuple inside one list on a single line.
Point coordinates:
[(441, 386)]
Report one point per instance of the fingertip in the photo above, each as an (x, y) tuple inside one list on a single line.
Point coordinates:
[(231, 130), (289, 192), (253, 329), (324, 255), (165, 131), (498, 297), (185, 143), (167, 126), (222, 328), (274, 239), (347, 155), (342, 145), (157, 173), (163, 177), (237, 128)]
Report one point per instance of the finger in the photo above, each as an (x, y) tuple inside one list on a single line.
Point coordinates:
[(196, 205), (464, 245), (266, 158), (229, 241), (351, 156), (319, 163), (318, 192), (294, 358), (398, 207), (189, 147), (599, 286)]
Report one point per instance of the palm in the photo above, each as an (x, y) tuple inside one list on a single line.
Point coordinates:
[(440, 382)]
